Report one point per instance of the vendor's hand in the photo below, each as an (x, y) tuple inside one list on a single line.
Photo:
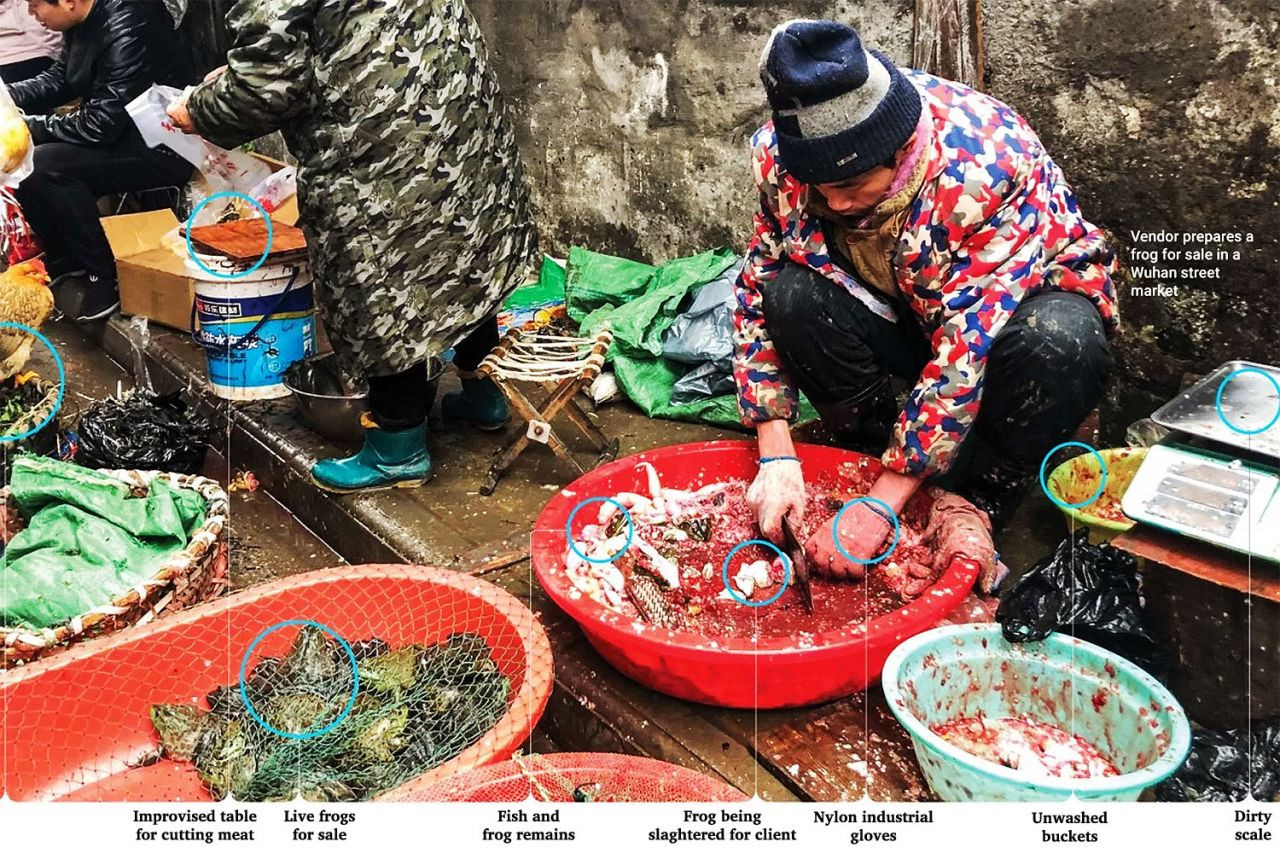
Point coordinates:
[(215, 74), (863, 533), (958, 529), (777, 491), (180, 117)]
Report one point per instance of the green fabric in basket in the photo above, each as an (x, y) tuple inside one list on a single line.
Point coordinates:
[(87, 539)]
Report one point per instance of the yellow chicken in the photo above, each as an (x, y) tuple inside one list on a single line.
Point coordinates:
[(24, 298)]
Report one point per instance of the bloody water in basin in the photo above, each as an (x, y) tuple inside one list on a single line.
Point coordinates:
[(701, 603), (742, 672)]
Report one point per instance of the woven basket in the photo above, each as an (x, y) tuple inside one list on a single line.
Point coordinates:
[(195, 574), (48, 402)]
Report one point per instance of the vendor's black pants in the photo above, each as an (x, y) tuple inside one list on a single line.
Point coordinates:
[(402, 400), (1045, 370), (60, 198)]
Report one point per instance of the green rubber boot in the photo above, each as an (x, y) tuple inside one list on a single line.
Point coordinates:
[(387, 460), (480, 403)]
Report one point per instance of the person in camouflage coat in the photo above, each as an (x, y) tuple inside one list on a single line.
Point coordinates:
[(411, 192)]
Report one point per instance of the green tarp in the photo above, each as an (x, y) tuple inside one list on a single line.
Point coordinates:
[(640, 302), (87, 539)]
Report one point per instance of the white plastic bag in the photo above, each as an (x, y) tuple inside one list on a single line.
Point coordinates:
[(224, 170), (149, 114), (278, 187), (16, 155)]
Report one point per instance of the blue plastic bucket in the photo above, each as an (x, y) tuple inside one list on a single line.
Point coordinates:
[(253, 327), (971, 670)]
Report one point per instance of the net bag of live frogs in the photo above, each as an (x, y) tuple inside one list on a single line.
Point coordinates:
[(140, 431), (335, 722)]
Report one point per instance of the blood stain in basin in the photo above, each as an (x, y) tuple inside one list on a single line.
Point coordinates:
[(720, 521), (1108, 508), (1035, 749)]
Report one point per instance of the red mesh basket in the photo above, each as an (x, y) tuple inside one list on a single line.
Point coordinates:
[(597, 776), (771, 672), (77, 726)]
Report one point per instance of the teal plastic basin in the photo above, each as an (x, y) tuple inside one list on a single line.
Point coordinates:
[(971, 670)]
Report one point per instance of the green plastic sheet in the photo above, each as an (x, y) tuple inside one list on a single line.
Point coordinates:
[(548, 289), (640, 302), (87, 539)]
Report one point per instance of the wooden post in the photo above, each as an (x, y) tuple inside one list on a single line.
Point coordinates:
[(948, 40)]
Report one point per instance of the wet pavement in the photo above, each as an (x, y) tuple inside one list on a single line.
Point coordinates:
[(266, 540)]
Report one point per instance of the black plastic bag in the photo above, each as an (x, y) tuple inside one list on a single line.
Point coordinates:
[(706, 380), (144, 432), (1226, 767), (1088, 591)]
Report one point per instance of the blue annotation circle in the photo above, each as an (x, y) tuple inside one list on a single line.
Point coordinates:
[(764, 543), (62, 382), (892, 517), (1217, 401), (1102, 482), (351, 701), (191, 252), (568, 530)]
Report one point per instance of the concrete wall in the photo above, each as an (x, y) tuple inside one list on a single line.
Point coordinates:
[(1166, 116), (635, 114)]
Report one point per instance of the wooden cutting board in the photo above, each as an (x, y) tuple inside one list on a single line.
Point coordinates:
[(244, 240)]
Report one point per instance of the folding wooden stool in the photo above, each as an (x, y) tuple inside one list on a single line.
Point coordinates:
[(563, 365)]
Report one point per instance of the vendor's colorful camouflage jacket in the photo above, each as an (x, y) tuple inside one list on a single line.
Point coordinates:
[(411, 189), (994, 221)]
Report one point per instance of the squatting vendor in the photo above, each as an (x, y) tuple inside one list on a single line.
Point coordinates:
[(411, 192), (911, 227)]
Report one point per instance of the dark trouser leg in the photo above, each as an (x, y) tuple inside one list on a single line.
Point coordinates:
[(480, 402), (841, 354), (400, 401), (471, 350), (16, 72), (60, 197), (1046, 371)]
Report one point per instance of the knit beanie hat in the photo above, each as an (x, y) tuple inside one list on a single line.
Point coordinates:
[(838, 110)]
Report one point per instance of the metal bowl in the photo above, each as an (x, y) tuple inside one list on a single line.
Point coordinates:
[(337, 416)]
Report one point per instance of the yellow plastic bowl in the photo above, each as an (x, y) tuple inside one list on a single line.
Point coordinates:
[(1076, 479)]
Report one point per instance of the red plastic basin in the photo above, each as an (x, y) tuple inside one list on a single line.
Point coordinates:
[(76, 725), (741, 672)]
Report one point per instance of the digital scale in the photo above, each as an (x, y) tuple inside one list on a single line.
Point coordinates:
[(1216, 476)]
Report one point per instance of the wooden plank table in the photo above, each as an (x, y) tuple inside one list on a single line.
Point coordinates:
[(1195, 590), (830, 752)]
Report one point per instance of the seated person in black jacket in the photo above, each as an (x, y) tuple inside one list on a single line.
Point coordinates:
[(112, 51)]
